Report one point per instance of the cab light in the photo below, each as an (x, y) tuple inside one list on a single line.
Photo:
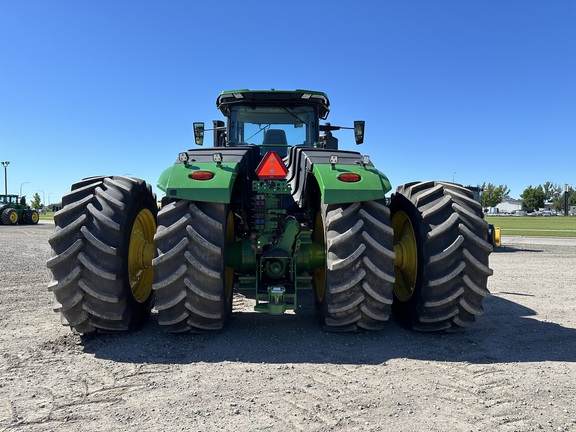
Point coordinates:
[(349, 177), (201, 175)]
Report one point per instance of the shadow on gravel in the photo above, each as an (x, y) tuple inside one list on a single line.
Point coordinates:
[(506, 333), (507, 249)]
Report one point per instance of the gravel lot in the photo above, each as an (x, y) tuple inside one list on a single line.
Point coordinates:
[(514, 370)]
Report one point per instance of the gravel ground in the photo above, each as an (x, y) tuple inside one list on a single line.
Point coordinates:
[(513, 371)]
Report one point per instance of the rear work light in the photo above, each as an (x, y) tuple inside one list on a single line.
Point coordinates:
[(271, 167), (201, 175), (349, 177)]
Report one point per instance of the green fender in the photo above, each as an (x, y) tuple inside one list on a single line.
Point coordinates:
[(373, 184), (176, 183)]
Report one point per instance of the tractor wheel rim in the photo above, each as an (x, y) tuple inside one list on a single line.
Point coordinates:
[(140, 256), (13, 217), (35, 217), (406, 256), (319, 236)]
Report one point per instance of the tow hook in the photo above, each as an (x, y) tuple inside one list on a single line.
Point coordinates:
[(276, 303)]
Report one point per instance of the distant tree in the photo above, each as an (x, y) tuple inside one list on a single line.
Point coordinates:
[(550, 190), (572, 198), (493, 195), (554, 194), (533, 197), (504, 191), (559, 199), (36, 204), (558, 203)]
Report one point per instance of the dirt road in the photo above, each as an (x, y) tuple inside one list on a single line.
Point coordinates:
[(515, 370)]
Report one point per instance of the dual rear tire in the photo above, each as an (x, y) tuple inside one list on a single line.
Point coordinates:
[(101, 254), (30, 217), (426, 256), (9, 216), (353, 290), (192, 284), (442, 249)]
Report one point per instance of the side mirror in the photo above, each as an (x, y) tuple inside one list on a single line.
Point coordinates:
[(199, 133), (359, 131)]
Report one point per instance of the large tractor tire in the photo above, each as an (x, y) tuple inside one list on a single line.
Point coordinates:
[(353, 290), (193, 287), (9, 216), (442, 249), (31, 217), (102, 252)]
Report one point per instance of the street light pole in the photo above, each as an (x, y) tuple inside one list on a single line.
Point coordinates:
[(566, 193), (5, 165), (21, 188)]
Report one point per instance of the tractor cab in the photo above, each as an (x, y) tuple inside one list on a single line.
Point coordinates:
[(273, 120), (272, 128), (9, 199)]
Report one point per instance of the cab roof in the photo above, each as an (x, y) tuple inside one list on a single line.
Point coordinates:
[(267, 97)]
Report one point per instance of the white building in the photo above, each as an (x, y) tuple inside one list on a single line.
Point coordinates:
[(510, 206)]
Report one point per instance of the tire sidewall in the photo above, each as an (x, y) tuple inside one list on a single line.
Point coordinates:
[(404, 312), (140, 199)]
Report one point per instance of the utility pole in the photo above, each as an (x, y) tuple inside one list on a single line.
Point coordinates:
[(5, 165), (43, 198), (566, 193)]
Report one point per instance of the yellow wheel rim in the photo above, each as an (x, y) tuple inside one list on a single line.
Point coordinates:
[(13, 216), (229, 271), (35, 217), (140, 255), (406, 261), (319, 272)]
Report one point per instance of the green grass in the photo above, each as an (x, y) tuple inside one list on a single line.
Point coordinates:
[(48, 216), (535, 226)]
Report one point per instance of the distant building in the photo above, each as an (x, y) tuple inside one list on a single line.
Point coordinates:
[(510, 206)]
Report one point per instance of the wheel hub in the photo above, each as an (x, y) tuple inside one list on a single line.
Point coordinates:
[(141, 254), (406, 260)]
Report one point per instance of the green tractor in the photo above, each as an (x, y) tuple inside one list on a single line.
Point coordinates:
[(14, 210), (272, 209)]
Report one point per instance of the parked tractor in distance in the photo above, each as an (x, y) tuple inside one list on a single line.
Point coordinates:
[(273, 208), (14, 210)]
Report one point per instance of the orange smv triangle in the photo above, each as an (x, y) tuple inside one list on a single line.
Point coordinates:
[(271, 167)]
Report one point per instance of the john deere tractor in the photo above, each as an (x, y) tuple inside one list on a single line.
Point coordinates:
[(14, 210), (272, 209)]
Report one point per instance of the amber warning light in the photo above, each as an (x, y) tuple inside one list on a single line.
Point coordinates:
[(271, 167)]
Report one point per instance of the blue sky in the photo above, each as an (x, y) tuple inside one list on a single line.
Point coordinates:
[(471, 91)]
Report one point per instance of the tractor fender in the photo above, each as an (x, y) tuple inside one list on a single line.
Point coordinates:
[(176, 182), (305, 164)]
